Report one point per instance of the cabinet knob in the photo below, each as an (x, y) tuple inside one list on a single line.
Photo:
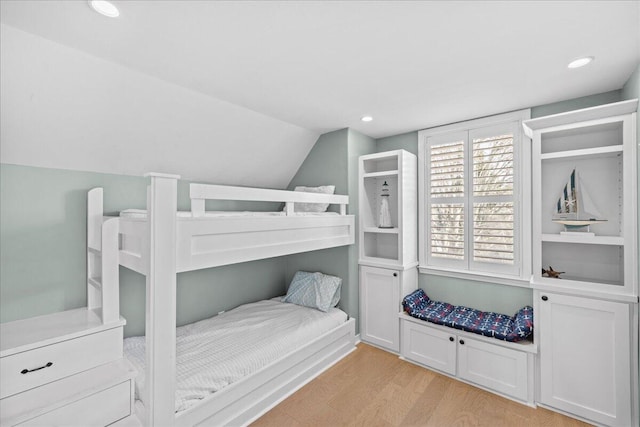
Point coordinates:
[(544, 297), (462, 342), (395, 274), (451, 339)]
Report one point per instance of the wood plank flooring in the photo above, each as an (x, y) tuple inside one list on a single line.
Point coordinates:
[(371, 387)]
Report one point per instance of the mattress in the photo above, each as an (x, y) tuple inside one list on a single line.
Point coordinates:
[(142, 214), (221, 350)]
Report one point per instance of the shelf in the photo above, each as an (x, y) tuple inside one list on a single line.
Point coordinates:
[(584, 153), (587, 240), (394, 230), (380, 174), (576, 280), (591, 113)]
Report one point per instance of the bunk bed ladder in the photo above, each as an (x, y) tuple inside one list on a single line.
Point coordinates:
[(102, 260)]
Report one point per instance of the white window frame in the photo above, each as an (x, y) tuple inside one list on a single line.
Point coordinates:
[(517, 274)]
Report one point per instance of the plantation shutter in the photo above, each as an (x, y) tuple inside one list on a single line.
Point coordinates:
[(471, 214), (446, 202), (493, 207)]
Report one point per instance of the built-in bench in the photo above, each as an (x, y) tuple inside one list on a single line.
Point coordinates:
[(461, 342), (495, 325)]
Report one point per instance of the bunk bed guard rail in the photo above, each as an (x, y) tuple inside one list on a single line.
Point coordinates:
[(201, 192)]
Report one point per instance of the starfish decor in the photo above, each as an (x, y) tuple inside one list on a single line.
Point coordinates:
[(552, 273)]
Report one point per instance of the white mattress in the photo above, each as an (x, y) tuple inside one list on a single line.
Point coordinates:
[(218, 351), (142, 214)]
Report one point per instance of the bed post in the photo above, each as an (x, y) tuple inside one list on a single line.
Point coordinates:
[(161, 300)]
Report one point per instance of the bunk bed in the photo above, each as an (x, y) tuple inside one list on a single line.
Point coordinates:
[(161, 242)]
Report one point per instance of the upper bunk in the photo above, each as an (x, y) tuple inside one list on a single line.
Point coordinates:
[(210, 239)]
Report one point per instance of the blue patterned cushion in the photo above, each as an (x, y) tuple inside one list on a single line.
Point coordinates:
[(417, 304), (522, 324), (314, 290), (415, 300)]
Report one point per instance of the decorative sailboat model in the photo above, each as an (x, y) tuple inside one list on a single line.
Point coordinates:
[(575, 208)]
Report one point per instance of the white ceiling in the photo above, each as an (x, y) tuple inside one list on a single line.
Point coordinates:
[(321, 65)]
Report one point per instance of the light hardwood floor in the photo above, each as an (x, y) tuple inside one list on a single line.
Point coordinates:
[(371, 387)]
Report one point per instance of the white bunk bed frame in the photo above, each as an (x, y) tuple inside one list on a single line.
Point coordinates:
[(162, 245)]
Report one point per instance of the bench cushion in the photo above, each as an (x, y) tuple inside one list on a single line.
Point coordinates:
[(501, 326)]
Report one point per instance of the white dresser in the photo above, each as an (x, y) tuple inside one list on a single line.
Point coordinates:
[(64, 369)]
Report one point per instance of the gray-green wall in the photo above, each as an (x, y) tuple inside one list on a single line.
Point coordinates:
[(43, 250), (334, 161)]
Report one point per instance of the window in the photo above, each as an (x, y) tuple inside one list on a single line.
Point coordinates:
[(474, 198)]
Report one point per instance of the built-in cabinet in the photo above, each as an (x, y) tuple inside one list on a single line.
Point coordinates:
[(388, 243), (585, 366), (501, 367), (64, 368), (587, 317)]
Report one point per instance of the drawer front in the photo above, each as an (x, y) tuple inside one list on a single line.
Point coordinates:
[(52, 362), (99, 409), (430, 347), (501, 369)]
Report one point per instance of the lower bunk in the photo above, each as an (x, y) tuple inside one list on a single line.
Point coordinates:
[(234, 367)]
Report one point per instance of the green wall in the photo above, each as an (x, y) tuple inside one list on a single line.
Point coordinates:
[(334, 161), (43, 255)]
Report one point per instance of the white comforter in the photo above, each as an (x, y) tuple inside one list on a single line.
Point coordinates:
[(216, 352)]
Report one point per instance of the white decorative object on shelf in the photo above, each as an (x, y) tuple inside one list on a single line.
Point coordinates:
[(575, 208), (384, 219)]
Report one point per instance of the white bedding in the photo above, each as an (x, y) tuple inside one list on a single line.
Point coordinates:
[(142, 214), (218, 351)]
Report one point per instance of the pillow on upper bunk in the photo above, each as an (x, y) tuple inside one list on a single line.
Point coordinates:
[(313, 207), (314, 290)]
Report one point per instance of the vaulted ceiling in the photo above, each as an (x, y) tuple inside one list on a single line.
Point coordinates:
[(317, 66)]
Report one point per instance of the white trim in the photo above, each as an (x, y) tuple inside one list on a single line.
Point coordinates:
[(521, 282)]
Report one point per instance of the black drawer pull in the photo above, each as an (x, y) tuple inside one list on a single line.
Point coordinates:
[(462, 342), (26, 371), (544, 297), (451, 339), (395, 274)]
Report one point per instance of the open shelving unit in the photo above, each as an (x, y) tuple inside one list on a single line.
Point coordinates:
[(597, 143), (396, 246)]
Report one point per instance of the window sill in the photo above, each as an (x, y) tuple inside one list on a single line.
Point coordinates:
[(477, 276)]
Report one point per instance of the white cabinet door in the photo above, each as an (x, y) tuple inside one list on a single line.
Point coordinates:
[(429, 347), (379, 307), (584, 357), (498, 368)]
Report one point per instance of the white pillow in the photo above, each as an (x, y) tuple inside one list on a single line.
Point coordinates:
[(313, 207)]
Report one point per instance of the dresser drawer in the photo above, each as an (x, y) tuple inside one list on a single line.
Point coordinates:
[(99, 409), (33, 368)]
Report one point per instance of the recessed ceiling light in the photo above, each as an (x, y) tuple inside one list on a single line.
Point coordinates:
[(366, 118), (580, 62), (104, 8)]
